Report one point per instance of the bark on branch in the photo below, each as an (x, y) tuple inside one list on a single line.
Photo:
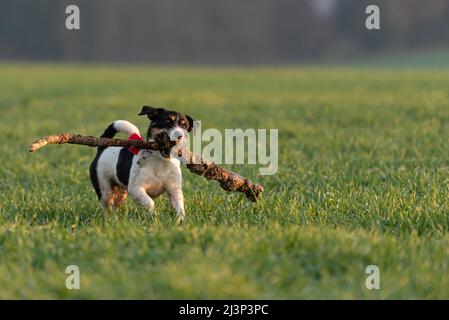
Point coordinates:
[(229, 181), (162, 142)]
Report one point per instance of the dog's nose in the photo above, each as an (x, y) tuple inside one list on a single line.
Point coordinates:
[(176, 136)]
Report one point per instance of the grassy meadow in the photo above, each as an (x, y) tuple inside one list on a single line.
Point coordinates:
[(363, 179)]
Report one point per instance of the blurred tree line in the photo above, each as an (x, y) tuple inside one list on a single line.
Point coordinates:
[(207, 31)]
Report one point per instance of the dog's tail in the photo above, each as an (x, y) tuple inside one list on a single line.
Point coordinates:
[(120, 126)]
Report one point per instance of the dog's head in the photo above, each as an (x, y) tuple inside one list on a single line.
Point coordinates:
[(175, 124)]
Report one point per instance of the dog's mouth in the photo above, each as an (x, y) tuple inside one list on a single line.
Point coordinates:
[(163, 137), (166, 154)]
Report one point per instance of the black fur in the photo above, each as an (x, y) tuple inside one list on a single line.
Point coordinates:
[(108, 133), (165, 119), (93, 173), (125, 160)]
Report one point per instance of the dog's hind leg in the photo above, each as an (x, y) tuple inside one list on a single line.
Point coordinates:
[(105, 194), (105, 200), (117, 196)]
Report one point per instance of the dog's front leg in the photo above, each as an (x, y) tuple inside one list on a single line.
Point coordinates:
[(143, 199), (177, 201)]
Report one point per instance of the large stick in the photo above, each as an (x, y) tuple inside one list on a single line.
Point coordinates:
[(162, 142), (229, 181)]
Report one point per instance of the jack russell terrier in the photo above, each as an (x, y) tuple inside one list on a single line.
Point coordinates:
[(143, 174)]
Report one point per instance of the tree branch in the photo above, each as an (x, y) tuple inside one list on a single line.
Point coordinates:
[(229, 181), (162, 142)]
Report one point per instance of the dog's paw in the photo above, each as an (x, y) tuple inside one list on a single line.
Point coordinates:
[(181, 219)]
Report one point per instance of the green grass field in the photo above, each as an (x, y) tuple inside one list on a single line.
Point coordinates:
[(363, 179)]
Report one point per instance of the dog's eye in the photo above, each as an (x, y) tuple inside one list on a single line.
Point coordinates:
[(184, 125)]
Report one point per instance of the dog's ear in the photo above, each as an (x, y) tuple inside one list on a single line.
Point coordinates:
[(192, 123), (151, 112)]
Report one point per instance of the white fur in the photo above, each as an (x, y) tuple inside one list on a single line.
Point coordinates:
[(150, 176), (125, 127)]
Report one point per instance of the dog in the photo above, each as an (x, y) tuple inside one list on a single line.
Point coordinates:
[(116, 172)]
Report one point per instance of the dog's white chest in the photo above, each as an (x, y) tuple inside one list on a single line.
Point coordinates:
[(155, 174)]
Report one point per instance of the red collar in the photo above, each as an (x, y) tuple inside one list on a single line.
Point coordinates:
[(134, 136)]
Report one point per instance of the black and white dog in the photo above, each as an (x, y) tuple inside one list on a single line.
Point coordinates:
[(143, 174)]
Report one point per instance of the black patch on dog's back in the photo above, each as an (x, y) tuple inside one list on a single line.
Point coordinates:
[(93, 172), (124, 163), (108, 133)]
